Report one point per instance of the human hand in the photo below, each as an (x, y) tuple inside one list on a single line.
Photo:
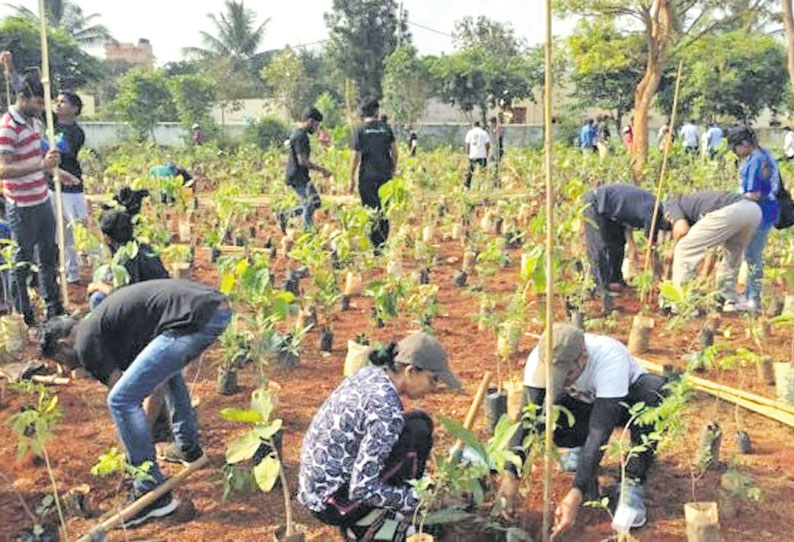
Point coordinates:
[(565, 513), (51, 159), (507, 495)]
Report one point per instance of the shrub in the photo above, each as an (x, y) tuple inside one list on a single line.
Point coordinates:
[(267, 132)]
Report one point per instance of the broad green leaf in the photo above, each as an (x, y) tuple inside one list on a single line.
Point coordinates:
[(262, 402), (456, 429), (266, 473), (227, 284), (239, 415), (267, 432), (243, 448), (446, 515)]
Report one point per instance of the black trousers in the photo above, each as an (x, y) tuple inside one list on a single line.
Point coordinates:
[(647, 389), (606, 245), (406, 461), (473, 163), (368, 189)]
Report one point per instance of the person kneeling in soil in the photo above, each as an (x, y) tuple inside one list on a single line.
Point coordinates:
[(613, 211), (140, 337), (598, 381), (361, 448), (146, 265), (706, 219)]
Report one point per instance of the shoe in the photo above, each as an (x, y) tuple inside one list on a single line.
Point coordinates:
[(173, 453), (729, 306), (162, 507), (72, 280), (282, 222), (570, 461), (630, 512), (747, 305)]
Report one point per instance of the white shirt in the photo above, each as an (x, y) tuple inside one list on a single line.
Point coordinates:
[(690, 134), (477, 139), (609, 371), (788, 144)]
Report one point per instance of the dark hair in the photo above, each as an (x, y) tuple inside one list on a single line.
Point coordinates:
[(117, 225), (476, 123), (370, 108), (73, 99), (53, 330), (741, 134), (30, 85), (492, 119), (384, 356), (384, 118), (313, 114)]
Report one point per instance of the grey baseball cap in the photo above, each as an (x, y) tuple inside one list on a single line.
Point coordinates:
[(567, 347), (424, 351)]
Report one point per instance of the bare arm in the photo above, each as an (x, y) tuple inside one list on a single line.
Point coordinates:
[(354, 163), (303, 160), (10, 170)]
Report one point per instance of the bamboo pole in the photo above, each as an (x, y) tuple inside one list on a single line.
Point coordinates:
[(660, 186), (8, 87), (45, 81), (549, 406), (99, 531), (472, 413)]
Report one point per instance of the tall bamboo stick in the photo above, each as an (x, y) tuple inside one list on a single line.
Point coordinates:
[(660, 186), (549, 406), (45, 81), (8, 87)]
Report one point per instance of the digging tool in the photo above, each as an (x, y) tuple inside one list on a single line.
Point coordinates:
[(99, 531), (472, 413)]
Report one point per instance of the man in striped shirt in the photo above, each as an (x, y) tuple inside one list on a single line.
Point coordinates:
[(29, 213)]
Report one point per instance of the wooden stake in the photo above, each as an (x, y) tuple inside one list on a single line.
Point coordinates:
[(473, 409), (658, 203), (99, 531), (45, 81), (549, 406), (8, 88)]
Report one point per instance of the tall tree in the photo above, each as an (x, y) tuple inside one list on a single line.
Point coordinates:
[(143, 100), (70, 66), (362, 33), (193, 96), (237, 36), (604, 66), (287, 82), (406, 86), (732, 74), (496, 37), (69, 16), (668, 26)]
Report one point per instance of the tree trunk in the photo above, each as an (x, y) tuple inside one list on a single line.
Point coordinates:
[(788, 26), (659, 34)]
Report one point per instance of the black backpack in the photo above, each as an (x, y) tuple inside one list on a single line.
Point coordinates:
[(786, 217)]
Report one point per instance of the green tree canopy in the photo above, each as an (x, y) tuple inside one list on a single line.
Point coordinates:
[(143, 100), (362, 34), (734, 75), (406, 86), (70, 67), (193, 96), (287, 82)]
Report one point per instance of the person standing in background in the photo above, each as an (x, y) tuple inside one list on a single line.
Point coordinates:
[(197, 137), (690, 135), (714, 136), (788, 143), (413, 143), (497, 149), (478, 146)]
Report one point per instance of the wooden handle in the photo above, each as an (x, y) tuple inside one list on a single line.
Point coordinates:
[(473, 408), (98, 532)]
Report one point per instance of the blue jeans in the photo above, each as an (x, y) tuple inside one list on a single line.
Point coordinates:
[(161, 361), (33, 228), (309, 202), (754, 257)]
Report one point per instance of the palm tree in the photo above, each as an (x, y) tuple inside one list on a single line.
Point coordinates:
[(67, 15), (237, 36)]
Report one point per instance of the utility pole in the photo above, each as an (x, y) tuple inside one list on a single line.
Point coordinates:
[(400, 17)]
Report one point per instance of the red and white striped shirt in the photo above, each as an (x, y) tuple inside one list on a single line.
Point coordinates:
[(21, 140)]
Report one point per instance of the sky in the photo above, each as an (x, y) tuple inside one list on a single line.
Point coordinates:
[(171, 25)]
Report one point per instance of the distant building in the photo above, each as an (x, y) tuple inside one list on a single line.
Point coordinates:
[(129, 53)]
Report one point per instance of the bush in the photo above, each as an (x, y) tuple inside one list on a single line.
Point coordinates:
[(267, 132)]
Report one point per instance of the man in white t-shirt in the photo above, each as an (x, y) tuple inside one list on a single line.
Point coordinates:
[(690, 136), (594, 378), (478, 145)]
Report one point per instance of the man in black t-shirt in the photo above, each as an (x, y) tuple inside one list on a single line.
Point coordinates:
[(705, 219), (75, 208), (140, 337), (376, 154), (613, 211), (298, 166)]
